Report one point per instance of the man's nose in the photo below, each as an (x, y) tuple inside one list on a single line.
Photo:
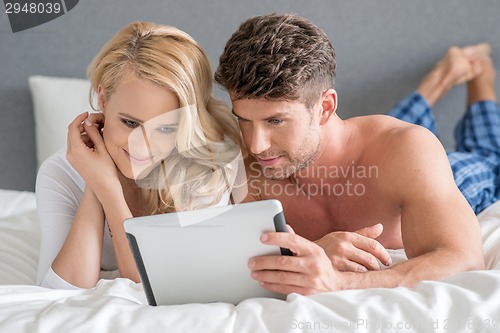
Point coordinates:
[(260, 141)]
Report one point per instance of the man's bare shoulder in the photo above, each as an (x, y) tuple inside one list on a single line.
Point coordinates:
[(414, 162), (411, 141), (373, 133), (385, 136), (376, 126)]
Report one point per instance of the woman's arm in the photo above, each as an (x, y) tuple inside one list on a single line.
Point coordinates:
[(117, 211), (95, 166), (79, 260), (59, 190)]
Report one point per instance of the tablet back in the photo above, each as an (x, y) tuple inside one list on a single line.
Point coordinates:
[(201, 256)]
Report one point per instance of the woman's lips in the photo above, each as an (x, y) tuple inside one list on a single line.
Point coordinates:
[(138, 160)]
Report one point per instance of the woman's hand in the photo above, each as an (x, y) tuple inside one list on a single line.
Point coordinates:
[(88, 155)]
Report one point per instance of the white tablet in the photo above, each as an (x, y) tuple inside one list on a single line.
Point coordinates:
[(201, 256)]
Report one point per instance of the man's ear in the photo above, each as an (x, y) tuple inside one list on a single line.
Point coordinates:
[(329, 102), (101, 98)]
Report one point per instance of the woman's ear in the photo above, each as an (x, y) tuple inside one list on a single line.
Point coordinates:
[(101, 98), (329, 105)]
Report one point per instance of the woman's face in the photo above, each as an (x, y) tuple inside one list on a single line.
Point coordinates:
[(141, 122)]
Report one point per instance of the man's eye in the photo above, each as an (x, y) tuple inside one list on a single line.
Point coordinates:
[(130, 123), (275, 121)]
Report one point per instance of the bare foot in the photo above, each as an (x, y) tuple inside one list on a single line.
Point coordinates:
[(480, 51), (458, 67), (453, 69), (482, 86)]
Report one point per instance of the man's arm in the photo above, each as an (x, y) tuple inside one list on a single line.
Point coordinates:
[(440, 231)]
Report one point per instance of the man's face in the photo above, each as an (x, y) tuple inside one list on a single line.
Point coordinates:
[(283, 136)]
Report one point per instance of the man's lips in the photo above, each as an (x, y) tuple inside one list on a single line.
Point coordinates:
[(267, 162)]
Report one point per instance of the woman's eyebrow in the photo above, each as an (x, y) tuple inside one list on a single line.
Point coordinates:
[(131, 117), (142, 121), (171, 125)]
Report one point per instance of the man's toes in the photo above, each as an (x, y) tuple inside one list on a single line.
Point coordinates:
[(482, 50)]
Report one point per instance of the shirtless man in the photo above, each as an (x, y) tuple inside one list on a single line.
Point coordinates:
[(374, 174)]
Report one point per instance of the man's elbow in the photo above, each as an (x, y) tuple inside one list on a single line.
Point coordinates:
[(473, 262)]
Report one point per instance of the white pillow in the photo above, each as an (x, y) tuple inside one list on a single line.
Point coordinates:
[(56, 102)]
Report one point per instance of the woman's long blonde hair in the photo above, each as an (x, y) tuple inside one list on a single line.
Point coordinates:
[(200, 170)]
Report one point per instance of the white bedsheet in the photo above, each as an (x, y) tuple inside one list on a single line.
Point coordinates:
[(467, 302)]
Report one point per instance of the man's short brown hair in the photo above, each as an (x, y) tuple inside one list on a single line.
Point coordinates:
[(277, 57)]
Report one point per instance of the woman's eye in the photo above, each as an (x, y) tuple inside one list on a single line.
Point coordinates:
[(167, 130), (130, 123)]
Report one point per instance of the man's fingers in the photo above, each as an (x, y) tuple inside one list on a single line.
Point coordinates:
[(373, 248), (285, 282), (295, 243), (346, 265), (355, 260), (367, 260), (286, 289), (280, 277), (290, 229), (373, 232), (284, 263)]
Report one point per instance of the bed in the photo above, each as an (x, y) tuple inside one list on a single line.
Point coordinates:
[(467, 302)]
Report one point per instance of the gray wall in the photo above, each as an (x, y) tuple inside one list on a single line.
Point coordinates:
[(384, 48)]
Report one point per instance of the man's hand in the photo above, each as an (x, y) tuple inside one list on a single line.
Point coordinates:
[(309, 271), (355, 251)]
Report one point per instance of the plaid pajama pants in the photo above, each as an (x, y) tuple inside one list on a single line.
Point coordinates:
[(476, 161)]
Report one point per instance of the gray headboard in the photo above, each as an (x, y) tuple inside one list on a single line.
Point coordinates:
[(383, 48)]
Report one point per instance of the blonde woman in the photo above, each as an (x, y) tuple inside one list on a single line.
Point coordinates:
[(160, 143)]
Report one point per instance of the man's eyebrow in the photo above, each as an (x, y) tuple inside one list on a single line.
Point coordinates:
[(131, 117), (234, 114), (276, 115)]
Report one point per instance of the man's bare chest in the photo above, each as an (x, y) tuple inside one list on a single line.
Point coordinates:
[(315, 214)]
